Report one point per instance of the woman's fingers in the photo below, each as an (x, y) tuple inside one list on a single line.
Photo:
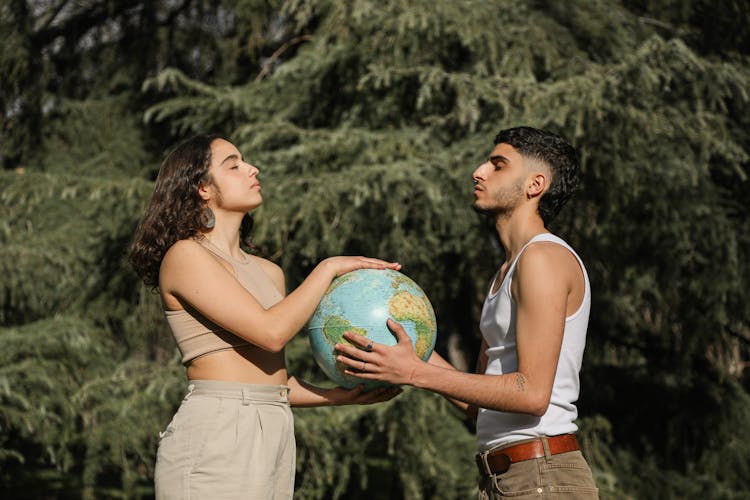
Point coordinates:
[(379, 263)]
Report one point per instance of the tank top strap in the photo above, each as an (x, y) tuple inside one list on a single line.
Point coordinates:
[(546, 237), (221, 253), (250, 274)]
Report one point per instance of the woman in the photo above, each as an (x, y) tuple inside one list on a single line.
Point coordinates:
[(233, 435)]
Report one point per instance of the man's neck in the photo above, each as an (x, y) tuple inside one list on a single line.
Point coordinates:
[(516, 230)]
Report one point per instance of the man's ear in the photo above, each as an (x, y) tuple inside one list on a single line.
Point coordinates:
[(537, 185)]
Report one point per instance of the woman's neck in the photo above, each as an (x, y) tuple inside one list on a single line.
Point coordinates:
[(228, 241)]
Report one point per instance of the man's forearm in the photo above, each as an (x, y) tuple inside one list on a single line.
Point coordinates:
[(510, 392), (470, 410)]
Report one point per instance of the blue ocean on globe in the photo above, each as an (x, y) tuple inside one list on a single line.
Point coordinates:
[(361, 302)]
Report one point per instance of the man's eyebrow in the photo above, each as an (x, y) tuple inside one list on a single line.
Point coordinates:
[(494, 159)]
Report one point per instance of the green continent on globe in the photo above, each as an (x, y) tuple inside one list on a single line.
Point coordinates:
[(335, 326), (399, 281), (405, 306)]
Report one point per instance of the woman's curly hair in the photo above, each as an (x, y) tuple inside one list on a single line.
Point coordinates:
[(175, 208)]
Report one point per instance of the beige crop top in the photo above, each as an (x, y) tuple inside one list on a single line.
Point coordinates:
[(196, 335)]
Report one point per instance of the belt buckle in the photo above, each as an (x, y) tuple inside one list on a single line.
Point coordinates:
[(500, 461)]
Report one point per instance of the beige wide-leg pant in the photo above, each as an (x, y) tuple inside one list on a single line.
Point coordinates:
[(228, 441)]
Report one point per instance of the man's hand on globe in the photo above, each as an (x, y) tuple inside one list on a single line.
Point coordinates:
[(373, 361)]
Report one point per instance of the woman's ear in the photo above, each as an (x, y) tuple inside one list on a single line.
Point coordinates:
[(204, 191)]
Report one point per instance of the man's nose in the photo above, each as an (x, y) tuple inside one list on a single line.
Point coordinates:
[(479, 172)]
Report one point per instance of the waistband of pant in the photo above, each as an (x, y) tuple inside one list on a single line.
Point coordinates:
[(500, 459), (239, 390)]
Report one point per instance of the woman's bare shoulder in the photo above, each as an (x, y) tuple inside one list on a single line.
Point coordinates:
[(184, 249), (273, 270)]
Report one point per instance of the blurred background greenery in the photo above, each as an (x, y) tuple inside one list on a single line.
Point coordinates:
[(366, 119)]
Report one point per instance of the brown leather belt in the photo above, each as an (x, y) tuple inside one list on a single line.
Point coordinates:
[(499, 461)]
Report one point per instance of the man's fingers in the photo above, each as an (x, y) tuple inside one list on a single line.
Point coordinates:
[(350, 361), (352, 352), (359, 340), (359, 374), (398, 331)]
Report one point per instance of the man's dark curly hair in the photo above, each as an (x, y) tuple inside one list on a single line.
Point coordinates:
[(560, 157)]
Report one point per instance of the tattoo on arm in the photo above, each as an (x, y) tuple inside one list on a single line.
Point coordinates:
[(520, 382)]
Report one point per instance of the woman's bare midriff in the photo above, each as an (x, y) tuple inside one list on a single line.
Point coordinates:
[(246, 364)]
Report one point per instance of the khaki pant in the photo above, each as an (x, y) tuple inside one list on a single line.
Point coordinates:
[(228, 441), (565, 476)]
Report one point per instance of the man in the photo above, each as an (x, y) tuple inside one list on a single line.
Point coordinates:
[(533, 324)]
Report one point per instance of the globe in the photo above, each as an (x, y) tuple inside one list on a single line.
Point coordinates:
[(361, 301)]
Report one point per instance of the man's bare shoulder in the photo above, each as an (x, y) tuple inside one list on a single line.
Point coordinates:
[(549, 259), (545, 250)]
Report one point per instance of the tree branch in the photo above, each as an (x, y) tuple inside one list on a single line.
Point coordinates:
[(268, 63)]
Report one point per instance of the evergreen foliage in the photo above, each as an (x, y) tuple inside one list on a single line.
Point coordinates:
[(366, 119)]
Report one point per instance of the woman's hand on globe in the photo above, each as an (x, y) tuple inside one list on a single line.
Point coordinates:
[(359, 396), (344, 264), (373, 361)]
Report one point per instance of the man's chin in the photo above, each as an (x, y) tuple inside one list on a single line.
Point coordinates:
[(478, 208)]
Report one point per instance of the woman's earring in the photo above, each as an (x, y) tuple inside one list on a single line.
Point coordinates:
[(208, 219)]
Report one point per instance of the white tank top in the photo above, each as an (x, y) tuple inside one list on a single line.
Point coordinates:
[(498, 326)]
